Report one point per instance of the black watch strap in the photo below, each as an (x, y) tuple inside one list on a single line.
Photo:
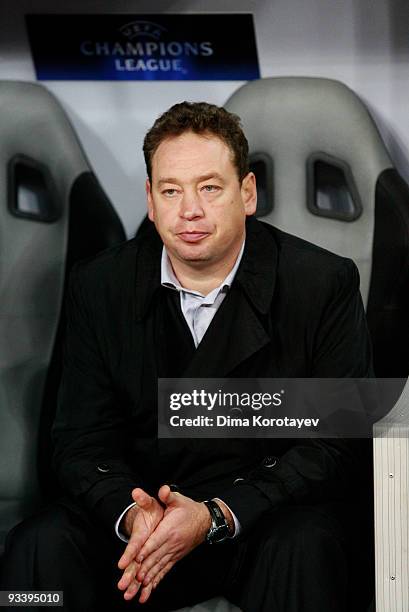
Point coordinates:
[(219, 529)]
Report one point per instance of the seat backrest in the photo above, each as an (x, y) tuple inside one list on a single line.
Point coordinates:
[(324, 174), (52, 211)]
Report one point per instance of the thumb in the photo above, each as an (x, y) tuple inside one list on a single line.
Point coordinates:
[(167, 496), (142, 499)]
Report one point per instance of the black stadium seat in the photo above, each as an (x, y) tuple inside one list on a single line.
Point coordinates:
[(52, 212)]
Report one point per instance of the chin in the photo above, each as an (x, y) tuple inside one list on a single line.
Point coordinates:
[(190, 256), (193, 258)]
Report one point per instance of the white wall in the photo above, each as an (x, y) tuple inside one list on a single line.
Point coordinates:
[(364, 43)]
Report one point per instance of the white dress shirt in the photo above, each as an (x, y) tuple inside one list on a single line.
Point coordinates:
[(198, 310)]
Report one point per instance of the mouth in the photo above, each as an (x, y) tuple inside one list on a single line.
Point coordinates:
[(192, 236)]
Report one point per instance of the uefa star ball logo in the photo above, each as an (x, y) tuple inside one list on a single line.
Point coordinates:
[(137, 29)]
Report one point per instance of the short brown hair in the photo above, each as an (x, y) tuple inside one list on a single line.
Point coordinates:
[(200, 118)]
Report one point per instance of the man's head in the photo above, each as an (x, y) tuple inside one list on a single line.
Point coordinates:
[(199, 188), (200, 118)]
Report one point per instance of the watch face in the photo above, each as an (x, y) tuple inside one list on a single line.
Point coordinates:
[(217, 533)]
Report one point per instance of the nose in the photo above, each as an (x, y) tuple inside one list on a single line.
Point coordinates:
[(191, 207)]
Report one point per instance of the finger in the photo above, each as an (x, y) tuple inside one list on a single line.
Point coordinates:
[(156, 540), (147, 590), (153, 564), (128, 575), (134, 545), (145, 593), (150, 575), (162, 574), (132, 590)]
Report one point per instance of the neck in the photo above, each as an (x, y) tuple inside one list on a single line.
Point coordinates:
[(203, 276)]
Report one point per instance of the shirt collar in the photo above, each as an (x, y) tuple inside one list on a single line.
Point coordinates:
[(170, 280), (256, 273)]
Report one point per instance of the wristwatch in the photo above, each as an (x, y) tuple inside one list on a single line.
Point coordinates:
[(219, 529)]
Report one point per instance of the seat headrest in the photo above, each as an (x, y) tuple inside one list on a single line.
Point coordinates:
[(314, 129)]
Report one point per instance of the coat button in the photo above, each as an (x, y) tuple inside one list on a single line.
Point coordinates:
[(269, 462), (103, 468), (237, 480)]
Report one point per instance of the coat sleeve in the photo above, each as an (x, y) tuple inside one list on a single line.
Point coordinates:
[(89, 426), (317, 470)]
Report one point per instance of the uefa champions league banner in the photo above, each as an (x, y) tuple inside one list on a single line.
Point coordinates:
[(162, 47)]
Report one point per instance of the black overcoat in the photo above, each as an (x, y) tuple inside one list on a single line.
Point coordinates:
[(294, 310)]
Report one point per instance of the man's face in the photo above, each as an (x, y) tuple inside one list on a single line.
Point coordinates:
[(196, 200)]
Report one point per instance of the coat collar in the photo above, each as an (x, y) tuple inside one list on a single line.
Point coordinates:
[(256, 274), (148, 259)]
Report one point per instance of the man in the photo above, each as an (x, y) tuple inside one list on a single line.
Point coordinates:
[(204, 290)]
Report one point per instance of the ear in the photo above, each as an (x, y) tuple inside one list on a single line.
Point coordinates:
[(249, 193), (149, 199)]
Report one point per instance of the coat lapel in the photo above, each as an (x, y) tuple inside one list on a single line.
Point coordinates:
[(234, 334), (237, 332)]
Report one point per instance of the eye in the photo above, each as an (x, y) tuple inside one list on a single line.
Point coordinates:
[(210, 188), (170, 192)]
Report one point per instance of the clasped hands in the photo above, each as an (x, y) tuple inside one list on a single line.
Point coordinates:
[(161, 532)]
